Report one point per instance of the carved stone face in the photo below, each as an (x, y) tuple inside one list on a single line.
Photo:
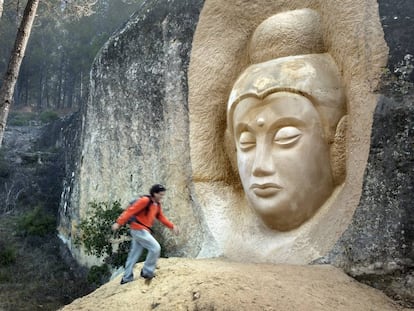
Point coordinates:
[(282, 157)]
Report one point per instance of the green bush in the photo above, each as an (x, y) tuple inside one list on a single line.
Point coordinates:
[(4, 170), (5, 277), (36, 222), (95, 234), (119, 258), (21, 118), (7, 255), (4, 167), (48, 116), (98, 275)]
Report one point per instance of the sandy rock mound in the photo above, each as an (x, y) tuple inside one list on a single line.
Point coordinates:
[(217, 284)]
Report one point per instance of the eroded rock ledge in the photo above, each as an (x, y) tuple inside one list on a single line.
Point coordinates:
[(218, 284)]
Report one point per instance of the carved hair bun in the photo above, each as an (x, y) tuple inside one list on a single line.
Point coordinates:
[(296, 32)]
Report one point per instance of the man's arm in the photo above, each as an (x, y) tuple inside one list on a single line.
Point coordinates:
[(164, 220)]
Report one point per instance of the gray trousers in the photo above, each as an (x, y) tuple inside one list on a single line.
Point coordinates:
[(142, 239)]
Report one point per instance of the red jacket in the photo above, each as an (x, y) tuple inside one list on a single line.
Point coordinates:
[(145, 217)]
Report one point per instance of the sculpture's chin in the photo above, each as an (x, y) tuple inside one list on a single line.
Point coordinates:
[(282, 214), (282, 226)]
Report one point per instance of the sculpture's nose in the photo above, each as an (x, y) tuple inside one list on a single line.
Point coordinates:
[(263, 164)]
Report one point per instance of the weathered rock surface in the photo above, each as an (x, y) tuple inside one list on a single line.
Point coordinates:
[(378, 246), (216, 284), (135, 124)]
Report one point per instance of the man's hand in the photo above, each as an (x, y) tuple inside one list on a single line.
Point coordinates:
[(175, 230), (115, 227)]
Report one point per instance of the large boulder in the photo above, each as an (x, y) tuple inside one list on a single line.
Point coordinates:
[(217, 284), (377, 247), (134, 127)]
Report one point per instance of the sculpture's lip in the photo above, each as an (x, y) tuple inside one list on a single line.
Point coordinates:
[(265, 190)]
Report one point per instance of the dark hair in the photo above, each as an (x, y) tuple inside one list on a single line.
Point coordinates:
[(156, 189)]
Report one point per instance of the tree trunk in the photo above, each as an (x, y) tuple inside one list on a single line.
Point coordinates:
[(16, 57), (1, 8)]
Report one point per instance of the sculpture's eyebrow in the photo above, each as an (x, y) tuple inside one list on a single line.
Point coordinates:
[(287, 121), (274, 124)]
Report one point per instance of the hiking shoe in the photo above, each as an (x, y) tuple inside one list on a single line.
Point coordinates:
[(146, 276), (125, 281)]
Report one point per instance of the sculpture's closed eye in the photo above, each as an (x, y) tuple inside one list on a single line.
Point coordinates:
[(287, 136), (247, 141)]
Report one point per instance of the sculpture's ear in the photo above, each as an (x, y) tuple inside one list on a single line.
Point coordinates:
[(230, 149), (338, 152)]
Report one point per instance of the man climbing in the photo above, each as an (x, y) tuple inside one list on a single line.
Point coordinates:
[(143, 213)]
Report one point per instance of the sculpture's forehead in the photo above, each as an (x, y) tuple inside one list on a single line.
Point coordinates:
[(306, 73), (282, 74), (315, 76), (280, 105)]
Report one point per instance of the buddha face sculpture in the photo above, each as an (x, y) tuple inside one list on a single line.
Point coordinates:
[(282, 117), (282, 157)]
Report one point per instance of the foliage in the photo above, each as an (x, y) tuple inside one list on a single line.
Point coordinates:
[(4, 167), (119, 258), (4, 277), (98, 275), (41, 278), (21, 118), (48, 116), (17, 118), (7, 255), (65, 39), (36, 222), (95, 232)]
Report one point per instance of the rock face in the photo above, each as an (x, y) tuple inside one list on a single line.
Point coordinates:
[(136, 130), (135, 124), (377, 247)]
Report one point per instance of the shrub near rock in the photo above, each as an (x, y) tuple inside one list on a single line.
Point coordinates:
[(36, 222), (4, 167), (95, 232), (7, 254)]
